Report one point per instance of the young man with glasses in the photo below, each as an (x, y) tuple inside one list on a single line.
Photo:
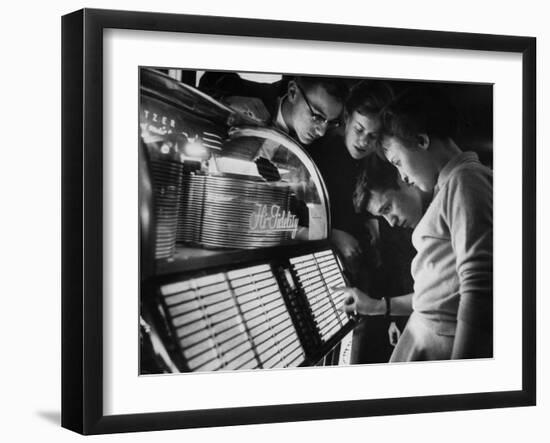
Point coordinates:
[(304, 107), (312, 106)]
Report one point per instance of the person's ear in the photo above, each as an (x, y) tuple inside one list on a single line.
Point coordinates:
[(292, 91), (423, 141)]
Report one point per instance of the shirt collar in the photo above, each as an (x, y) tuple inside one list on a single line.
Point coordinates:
[(279, 121)]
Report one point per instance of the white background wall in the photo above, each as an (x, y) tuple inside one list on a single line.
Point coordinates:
[(30, 222)]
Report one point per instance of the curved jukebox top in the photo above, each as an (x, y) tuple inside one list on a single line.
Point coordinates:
[(218, 186), (236, 269)]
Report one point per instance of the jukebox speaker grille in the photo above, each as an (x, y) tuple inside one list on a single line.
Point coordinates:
[(233, 320), (231, 212), (166, 181)]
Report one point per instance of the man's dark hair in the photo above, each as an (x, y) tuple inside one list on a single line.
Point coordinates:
[(369, 97), (420, 110), (335, 87), (377, 175)]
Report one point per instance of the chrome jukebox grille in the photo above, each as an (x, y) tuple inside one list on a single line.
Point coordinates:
[(229, 212), (166, 181)]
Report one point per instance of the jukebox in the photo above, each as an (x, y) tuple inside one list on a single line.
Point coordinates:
[(236, 269)]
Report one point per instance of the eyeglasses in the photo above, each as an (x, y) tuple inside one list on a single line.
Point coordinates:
[(317, 118)]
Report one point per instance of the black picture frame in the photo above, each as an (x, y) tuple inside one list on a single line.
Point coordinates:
[(82, 218)]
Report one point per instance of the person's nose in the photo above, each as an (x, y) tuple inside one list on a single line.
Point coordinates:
[(391, 219), (320, 129), (363, 140)]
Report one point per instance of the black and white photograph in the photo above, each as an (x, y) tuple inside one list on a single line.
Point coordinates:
[(270, 221), (245, 222), (291, 221)]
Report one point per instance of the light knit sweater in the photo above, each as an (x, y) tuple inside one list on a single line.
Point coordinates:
[(453, 268)]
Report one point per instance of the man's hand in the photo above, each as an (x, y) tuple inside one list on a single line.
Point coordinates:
[(393, 333), (357, 302), (252, 107)]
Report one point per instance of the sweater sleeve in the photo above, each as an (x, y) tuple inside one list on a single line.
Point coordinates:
[(470, 219)]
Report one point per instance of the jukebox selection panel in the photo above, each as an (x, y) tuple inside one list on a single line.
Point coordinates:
[(264, 316), (318, 275)]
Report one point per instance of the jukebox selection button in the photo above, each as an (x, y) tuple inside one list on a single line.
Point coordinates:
[(243, 281), (211, 365), (199, 348), (192, 339), (247, 271), (223, 315), (279, 318), (219, 307), (268, 353), (245, 361), (255, 322), (219, 327), (184, 307), (323, 253), (287, 340), (258, 329), (250, 305), (230, 354), (265, 348), (273, 361), (174, 288), (209, 280), (254, 313), (301, 259), (228, 346), (264, 337), (274, 304), (278, 310), (202, 359), (191, 328), (283, 325), (309, 278), (321, 307), (228, 334), (219, 288), (245, 298), (187, 318), (294, 358)]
